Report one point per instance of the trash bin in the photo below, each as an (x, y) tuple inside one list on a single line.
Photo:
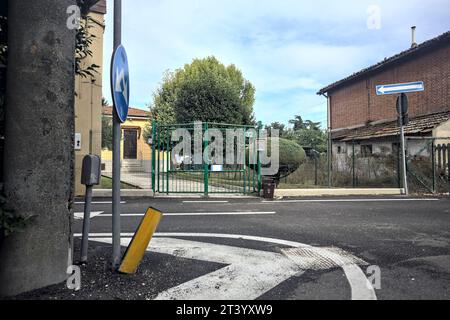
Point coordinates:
[(268, 188)]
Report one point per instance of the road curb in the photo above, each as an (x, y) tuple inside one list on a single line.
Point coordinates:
[(148, 193), (132, 193), (286, 193)]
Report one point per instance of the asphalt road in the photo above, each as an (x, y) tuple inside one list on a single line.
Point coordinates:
[(249, 248)]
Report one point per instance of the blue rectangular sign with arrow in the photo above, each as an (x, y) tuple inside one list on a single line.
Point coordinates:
[(400, 88)]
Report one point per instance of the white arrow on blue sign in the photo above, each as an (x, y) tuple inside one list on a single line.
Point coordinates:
[(400, 88), (120, 83)]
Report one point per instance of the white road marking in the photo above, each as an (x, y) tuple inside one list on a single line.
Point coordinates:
[(247, 276), (196, 214), (307, 258), (80, 215), (103, 235), (99, 202), (205, 201), (361, 288), (344, 200)]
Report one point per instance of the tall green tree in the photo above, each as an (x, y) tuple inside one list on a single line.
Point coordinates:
[(107, 133), (316, 139), (298, 123), (278, 126), (164, 99), (311, 125), (307, 133), (204, 90)]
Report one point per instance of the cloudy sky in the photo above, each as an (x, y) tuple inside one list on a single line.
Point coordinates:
[(288, 49)]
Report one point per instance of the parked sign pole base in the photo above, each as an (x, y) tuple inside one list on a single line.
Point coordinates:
[(404, 167), (86, 225)]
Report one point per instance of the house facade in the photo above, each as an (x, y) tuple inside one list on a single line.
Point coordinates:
[(88, 99), (136, 153), (360, 121)]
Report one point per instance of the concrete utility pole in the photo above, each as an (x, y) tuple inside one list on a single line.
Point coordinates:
[(39, 152)]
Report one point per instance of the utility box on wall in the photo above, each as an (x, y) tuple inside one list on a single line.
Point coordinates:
[(91, 170), (77, 141)]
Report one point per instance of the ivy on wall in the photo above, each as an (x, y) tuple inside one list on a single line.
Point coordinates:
[(84, 40)]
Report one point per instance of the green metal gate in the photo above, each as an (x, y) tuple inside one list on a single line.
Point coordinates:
[(180, 174)]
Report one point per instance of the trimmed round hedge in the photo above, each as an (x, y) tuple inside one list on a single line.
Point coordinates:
[(292, 155)]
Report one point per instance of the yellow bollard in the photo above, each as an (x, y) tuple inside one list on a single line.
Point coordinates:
[(141, 240)]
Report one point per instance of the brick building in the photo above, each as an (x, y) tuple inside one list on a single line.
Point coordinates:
[(357, 116)]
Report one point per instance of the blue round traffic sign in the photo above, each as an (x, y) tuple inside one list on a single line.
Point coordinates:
[(120, 83)]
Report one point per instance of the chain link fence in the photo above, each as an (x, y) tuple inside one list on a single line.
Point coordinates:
[(429, 165), (348, 171), (358, 165)]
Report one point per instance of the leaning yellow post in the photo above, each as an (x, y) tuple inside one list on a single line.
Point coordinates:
[(140, 242)]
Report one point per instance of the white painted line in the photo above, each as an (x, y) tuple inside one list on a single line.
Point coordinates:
[(80, 215), (181, 214), (247, 276), (361, 288), (100, 202), (360, 285), (346, 200), (206, 201), (103, 235)]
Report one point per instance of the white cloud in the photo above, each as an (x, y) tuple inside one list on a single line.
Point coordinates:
[(289, 49)]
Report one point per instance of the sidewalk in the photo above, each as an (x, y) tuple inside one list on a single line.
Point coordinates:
[(144, 181), (139, 180)]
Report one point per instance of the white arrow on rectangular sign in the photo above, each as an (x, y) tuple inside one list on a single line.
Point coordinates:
[(400, 88)]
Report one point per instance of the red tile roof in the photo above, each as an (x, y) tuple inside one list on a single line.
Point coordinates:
[(132, 112), (417, 126), (424, 47)]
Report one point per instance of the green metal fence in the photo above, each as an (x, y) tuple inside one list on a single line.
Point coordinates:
[(179, 174)]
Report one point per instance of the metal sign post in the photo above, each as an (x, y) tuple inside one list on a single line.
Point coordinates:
[(402, 109), (404, 167), (90, 176), (120, 88), (116, 150)]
